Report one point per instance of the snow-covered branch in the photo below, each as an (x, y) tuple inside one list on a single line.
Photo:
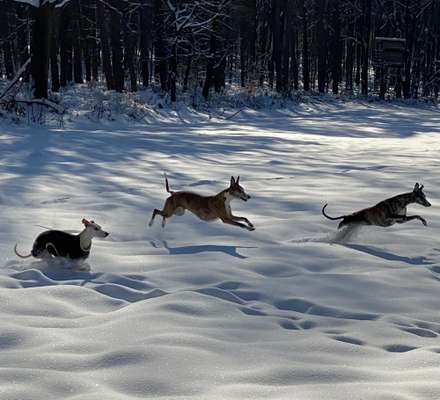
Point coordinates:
[(42, 3)]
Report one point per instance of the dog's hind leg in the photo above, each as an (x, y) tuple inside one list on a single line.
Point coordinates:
[(155, 212), (52, 250), (167, 212)]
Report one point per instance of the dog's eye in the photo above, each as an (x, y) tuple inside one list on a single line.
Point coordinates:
[(96, 229)]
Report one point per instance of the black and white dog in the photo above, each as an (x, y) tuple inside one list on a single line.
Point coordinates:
[(55, 243)]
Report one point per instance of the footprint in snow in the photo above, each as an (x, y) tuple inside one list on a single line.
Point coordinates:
[(62, 199), (425, 333), (398, 348)]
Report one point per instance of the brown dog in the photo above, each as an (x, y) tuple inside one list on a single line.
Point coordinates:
[(207, 208)]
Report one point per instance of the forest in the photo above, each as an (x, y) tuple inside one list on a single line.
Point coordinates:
[(176, 46)]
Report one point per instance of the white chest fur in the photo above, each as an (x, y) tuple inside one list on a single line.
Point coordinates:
[(402, 211), (85, 240), (228, 199)]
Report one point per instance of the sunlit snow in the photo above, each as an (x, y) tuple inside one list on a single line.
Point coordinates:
[(203, 310)]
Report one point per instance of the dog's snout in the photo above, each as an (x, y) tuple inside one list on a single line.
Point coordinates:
[(106, 234)]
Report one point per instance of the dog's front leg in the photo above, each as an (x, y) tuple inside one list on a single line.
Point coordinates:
[(235, 218), (422, 220), (235, 223), (401, 219)]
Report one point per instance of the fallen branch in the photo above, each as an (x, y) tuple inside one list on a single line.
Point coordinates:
[(43, 102), (16, 79), (233, 115)]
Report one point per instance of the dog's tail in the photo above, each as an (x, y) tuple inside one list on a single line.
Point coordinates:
[(167, 186), (332, 218), (20, 255)]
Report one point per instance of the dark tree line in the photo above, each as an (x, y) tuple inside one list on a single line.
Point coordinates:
[(178, 45)]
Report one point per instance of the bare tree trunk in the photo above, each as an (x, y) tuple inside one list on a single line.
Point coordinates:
[(294, 59), (160, 50), (90, 35), (243, 61), (322, 45), (187, 72), (305, 50), (116, 45), (105, 48), (209, 79), (5, 31), (54, 70), (40, 48), (77, 38), (349, 59), (277, 27), (146, 27), (23, 39), (173, 73), (287, 37), (366, 45), (410, 28), (65, 40), (130, 29), (336, 50)]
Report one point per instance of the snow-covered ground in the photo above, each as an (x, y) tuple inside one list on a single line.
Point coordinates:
[(206, 310)]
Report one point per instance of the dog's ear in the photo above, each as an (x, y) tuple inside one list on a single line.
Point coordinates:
[(416, 187), (421, 187), (232, 181), (85, 222), (238, 179)]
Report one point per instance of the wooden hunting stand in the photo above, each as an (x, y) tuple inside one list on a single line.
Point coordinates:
[(388, 60)]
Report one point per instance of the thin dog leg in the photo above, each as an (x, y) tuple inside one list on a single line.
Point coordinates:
[(167, 212), (401, 219), (54, 252), (155, 212), (231, 222), (242, 219)]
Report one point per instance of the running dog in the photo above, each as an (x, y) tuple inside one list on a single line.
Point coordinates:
[(207, 208), (387, 212), (55, 243)]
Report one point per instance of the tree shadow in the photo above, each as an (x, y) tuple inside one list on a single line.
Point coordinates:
[(392, 121)]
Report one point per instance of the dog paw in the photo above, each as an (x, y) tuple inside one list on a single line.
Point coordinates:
[(424, 222), (250, 228)]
